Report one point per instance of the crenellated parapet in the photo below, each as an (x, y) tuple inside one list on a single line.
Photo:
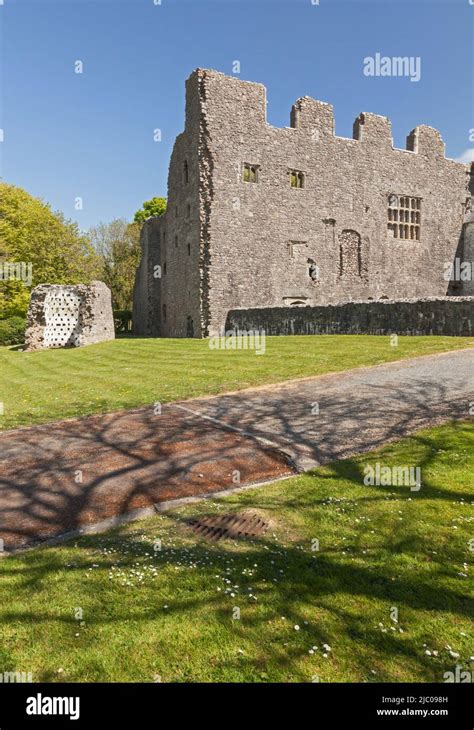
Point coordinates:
[(373, 129), (427, 141), (242, 105), (310, 114)]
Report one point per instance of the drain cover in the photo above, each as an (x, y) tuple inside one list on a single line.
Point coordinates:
[(214, 527)]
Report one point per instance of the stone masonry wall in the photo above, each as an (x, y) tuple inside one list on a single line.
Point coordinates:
[(147, 288), (467, 254), (345, 196), (226, 243), (170, 305), (430, 316), (69, 316)]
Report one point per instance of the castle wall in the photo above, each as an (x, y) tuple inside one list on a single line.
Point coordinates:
[(430, 316), (225, 243), (468, 255), (170, 305), (338, 220), (180, 257), (147, 289)]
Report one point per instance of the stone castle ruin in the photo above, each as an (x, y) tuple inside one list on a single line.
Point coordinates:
[(69, 316), (263, 217)]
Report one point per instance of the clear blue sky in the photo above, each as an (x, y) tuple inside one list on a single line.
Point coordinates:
[(90, 135)]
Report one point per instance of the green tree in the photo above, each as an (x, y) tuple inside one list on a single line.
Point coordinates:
[(32, 233), (118, 246), (155, 206)]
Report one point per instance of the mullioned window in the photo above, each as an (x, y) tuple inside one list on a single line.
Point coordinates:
[(404, 217)]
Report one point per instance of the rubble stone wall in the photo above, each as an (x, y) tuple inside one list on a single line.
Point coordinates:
[(69, 316)]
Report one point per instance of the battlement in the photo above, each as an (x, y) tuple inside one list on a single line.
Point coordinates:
[(373, 129), (244, 105), (217, 94), (310, 114), (426, 140)]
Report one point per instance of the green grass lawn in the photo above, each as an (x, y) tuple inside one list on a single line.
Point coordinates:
[(168, 612), (53, 384)]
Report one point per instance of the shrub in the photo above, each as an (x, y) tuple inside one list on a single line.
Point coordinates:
[(12, 331)]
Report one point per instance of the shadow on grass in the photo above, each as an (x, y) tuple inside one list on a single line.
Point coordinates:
[(307, 585)]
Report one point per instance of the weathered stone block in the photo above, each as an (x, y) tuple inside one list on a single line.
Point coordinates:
[(69, 316)]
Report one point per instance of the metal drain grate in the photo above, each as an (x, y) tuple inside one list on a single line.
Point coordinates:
[(214, 527)]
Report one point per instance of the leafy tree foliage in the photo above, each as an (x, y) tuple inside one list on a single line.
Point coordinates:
[(31, 232), (155, 206), (118, 246)]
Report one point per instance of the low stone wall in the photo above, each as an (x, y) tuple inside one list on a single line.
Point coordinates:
[(431, 316)]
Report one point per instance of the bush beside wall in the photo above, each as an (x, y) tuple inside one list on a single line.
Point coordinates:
[(12, 331)]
